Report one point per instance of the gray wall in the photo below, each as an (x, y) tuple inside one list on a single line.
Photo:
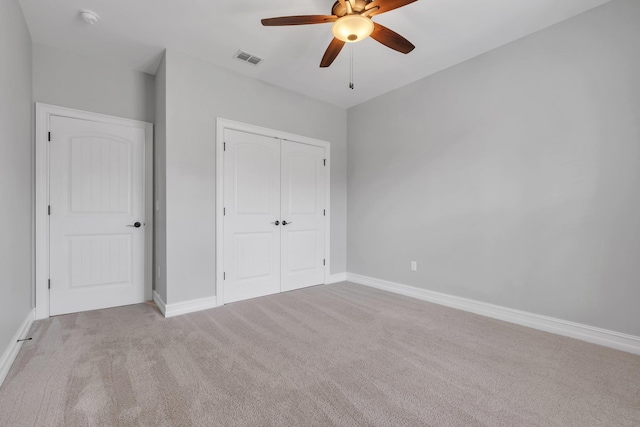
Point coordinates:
[(511, 178), (197, 93), (16, 171), (159, 185), (69, 80)]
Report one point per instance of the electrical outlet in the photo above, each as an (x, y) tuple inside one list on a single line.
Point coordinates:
[(414, 266)]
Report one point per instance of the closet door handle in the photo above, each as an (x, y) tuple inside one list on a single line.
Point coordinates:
[(286, 223), (276, 223)]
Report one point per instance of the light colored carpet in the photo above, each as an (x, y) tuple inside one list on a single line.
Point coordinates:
[(343, 355)]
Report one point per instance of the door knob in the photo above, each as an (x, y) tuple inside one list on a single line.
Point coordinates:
[(136, 225), (276, 223), (285, 222)]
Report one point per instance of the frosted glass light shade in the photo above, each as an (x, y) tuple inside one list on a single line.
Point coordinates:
[(352, 28)]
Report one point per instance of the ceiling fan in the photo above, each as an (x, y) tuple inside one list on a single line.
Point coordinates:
[(352, 23)]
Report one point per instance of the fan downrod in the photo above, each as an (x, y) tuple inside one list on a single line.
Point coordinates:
[(358, 7)]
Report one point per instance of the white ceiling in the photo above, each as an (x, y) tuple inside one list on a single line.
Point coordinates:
[(134, 33)]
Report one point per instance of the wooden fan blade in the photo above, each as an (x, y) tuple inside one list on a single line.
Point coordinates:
[(298, 20), (332, 52), (387, 5), (391, 39)]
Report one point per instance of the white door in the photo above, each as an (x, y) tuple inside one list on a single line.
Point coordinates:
[(302, 213), (96, 225), (273, 215), (251, 216)]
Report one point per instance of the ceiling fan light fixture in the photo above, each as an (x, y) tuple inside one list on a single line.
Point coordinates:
[(352, 28)]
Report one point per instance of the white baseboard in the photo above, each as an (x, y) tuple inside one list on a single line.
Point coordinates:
[(336, 278), (176, 309), (11, 352), (617, 340), (159, 302)]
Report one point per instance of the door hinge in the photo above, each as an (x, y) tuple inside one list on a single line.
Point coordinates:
[(49, 136), (224, 276), (324, 161), (324, 212), (224, 146), (224, 211), (49, 210), (324, 262), (49, 284)]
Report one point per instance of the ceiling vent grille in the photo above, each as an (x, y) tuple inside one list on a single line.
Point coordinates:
[(247, 57)]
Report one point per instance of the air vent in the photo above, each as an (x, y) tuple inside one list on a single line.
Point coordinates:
[(247, 57)]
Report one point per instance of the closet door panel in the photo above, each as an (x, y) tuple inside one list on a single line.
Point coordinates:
[(302, 195), (252, 207)]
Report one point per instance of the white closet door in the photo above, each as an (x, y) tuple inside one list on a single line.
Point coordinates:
[(96, 196), (252, 206), (303, 213)]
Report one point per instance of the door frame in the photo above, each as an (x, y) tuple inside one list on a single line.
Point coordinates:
[(221, 125), (44, 112)]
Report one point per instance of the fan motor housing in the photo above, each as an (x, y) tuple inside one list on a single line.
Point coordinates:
[(340, 10)]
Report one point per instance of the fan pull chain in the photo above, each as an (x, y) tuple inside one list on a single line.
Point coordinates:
[(351, 86)]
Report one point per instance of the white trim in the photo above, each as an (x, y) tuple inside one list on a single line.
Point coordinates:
[(337, 278), (43, 114), (10, 353), (157, 299), (179, 308), (221, 125), (607, 338)]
